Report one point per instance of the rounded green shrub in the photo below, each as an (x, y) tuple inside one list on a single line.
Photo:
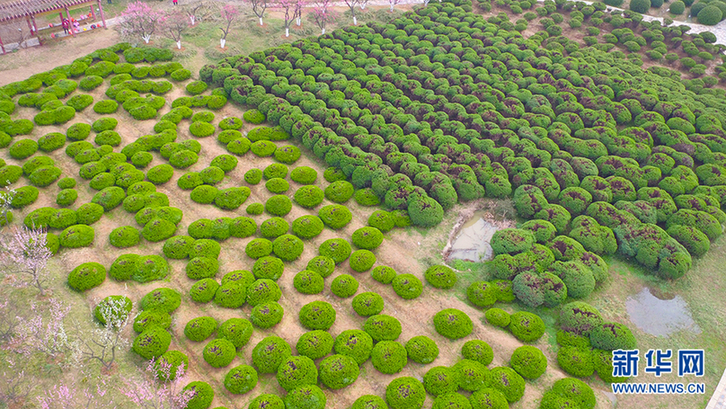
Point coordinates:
[(407, 286), (317, 315), (203, 291), (79, 235), (268, 267), (405, 393), (305, 397), (481, 293), (23, 148), (337, 249), (253, 176), (439, 276), (178, 247), (367, 304), (384, 274), (219, 353), (307, 227), (526, 327), (508, 382), (277, 185), (640, 6), (287, 154), (115, 308), (362, 260), (160, 174), (258, 248), (611, 336), (354, 343), (161, 300), (240, 379), (338, 371), (308, 196), (202, 395), (269, 353), (576, 361), (710, 16), (335, 216), (322, 265), (254, 116), (238, 331), (261, 291), (529, 362), (304, 175), (383, 327), (263, 148), (453, 323), (344, 286), (472, 374), (308, 282), (278, 205), (202, 267), (288, 247), (230, 295), (295, 371), (389, 357), (51, 141), (339, 192), (152, 343), (367, 238), (477, 350), (124, 236), (158, 230), (148, 319), (441, 380), (315, 344), (200, 328), (422, 349), (497, 317), (255, 209)]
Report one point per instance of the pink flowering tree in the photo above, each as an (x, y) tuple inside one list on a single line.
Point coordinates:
[(288, 8), (70, 396), (229, 15), (258, 7), (297, 14), (352, 5), (15, 383), (102, 344), (43, 332), (160, 387), (174, 25), (139, 19), (24, 253), (363, 4), (323, 14)]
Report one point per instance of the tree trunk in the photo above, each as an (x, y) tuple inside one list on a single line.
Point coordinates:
[(178, 44), (392, 7), (297, 21), (362, 6), (355, 21), (287, 31), (146, 38), (260, 20), (221, 42), (323, 30), (192, 19)]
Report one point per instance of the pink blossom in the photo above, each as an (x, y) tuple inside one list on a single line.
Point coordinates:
[(156, 388), (139, 19), (26, 253)]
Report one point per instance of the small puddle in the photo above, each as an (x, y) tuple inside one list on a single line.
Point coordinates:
[(660, 314), (471, 236)]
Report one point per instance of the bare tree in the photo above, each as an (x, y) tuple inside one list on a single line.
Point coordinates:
[(15, 384), (288, 7), (8, 320), (25, 253), (363, 4), (102, 344), (229, 15), (351, 5), (40, 334), (258, 7), (197, 10), (70, 396), (158, 389), (323, 14), (174, 26)]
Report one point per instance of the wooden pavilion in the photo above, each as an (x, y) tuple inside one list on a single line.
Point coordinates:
[(27, 10)]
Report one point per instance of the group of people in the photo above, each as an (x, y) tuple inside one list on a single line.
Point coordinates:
[(73, 24)]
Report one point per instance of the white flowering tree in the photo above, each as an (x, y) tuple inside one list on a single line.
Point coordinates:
[(24, 253)]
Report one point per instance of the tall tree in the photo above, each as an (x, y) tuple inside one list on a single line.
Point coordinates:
[(258, 7), (101, 344), (288, 8), (298, 6), (323, 14), (229, 15), (351, 5), (139, 19), (24, 253), (393, 3), (157, 388), (174, 25)]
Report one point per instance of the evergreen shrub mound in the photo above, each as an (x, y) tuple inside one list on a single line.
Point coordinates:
[(383, 274), (481, 293), (178, 247), (710, 16), (526, 327), (336, 249), (366, 304), (472, 375), (369, 402), (200, 328), (277, 185), (307, 227), (253, 116), (488, 398), (477, 350), (389, 357), (243, 277), (362, 260), (317, 315), (258, 248), (269, 353), (571, 390), (230, 295), (274, 227), (335, 216), (367, 238), (441, 380), (383, 327), (79, 235), (344, 286), (405, 393), (288, 247), (174, 360), (240, 379), (366, 197), (203, 395), (439, 276), (269, 267), (308, 282), (202, 267), (422, 349), (305, 397), (322, 265), (261, 291), (407, 286), (529, 362), (238, 331), (278, 205), (107, 310), (263, 148), (338, 371), (498, 317), (304, 175), (339, 192), (354, 343), (253, 176), (150, 268), (315, 344), (576, 361), (148, 319), (287, 154), (219, 353), (508, 382), (453, 323), (255, 209), (296, 371), (308, 196), (161, 300), (612, 335), (205, 248), (203, 291), (152, 343)]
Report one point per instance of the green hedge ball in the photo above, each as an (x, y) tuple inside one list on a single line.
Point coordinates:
[(305, 397), (240, 379), (344, 286), (87, 276), (315, 344), (367, 304), (338, 371), (453, 323), (405, 393), (383, 327), (269, 353), (407, 286), (308, 282), (219, 353), (266, 315), (296, 371), (317, 315)]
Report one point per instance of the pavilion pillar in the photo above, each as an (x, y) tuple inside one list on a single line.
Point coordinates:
[(30, 26), (100, 9), (93, 12), (70, 23), (2, 46), (35, 28)]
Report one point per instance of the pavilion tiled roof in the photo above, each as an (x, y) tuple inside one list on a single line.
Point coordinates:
[(22, 8)]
